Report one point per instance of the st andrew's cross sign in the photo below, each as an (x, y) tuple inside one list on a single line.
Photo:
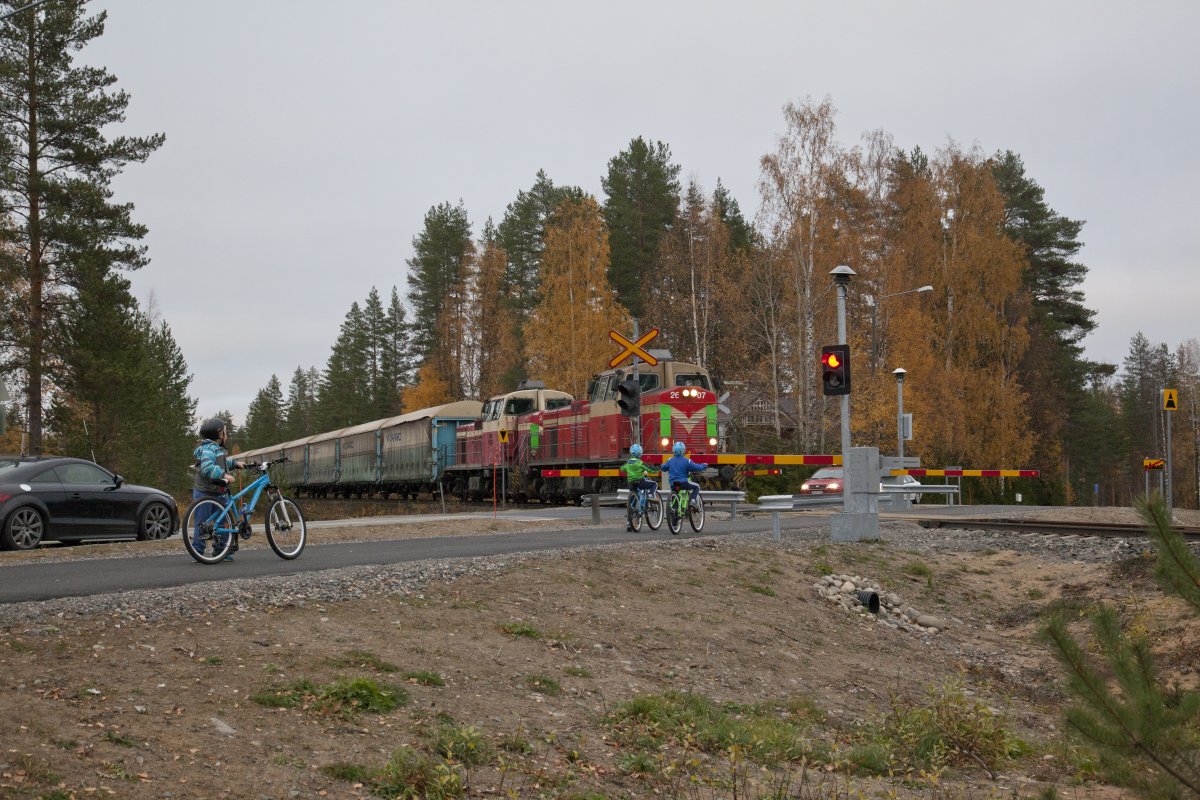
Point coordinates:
[(635, 349)]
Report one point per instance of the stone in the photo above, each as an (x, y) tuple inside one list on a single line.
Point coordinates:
[(848, 587), (929, 621)]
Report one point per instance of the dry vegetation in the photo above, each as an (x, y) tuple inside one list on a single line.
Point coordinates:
[(701, 668)]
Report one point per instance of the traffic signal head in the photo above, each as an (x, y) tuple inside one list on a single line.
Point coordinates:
[(629, 397), (835, 369)]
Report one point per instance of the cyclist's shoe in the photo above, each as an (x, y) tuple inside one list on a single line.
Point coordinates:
[(629, 528)]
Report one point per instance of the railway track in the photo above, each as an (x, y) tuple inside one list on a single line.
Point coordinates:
[(1104, 529)]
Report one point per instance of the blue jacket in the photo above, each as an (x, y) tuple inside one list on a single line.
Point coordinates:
[(678, 468), (211, 466)]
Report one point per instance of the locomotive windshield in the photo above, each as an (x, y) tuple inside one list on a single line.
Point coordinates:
[(692, 379), (557, 402)]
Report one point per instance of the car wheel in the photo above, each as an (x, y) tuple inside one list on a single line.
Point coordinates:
[(155, 523), (23, 529)]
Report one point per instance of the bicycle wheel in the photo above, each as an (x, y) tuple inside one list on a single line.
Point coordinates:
[(633, 513), (286, 531), (696, 515), (208, 531), (654, 511), (674, 518)]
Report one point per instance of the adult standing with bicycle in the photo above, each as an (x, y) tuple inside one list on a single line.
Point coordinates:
[(212, 475)]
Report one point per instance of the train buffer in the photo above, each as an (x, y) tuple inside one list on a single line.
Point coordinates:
[(621, 497)]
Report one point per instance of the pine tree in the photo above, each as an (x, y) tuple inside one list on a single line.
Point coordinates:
[(265, 417), (522, 235), (343, 398), (398, 359), (1058, 318), (440, 253), (56, 177), (641, 203), (122, 392), (300, 409), (741, 233), (1144, 723)]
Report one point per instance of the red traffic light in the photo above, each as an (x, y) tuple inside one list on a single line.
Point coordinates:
[(835, 369)]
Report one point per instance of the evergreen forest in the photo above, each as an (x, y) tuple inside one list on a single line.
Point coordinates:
[(993, 351)]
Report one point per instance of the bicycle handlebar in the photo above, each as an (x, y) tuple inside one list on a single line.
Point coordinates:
[(262, 465)]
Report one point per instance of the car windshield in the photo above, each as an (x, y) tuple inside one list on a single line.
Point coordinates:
[(826, 474)]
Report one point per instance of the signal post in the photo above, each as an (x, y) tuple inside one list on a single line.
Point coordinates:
[(859, 520)]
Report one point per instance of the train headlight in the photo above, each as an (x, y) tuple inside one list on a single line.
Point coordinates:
[(712, 442), (665, 442)]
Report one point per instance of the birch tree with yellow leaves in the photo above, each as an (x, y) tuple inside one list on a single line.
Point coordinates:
[(797, 221), (566, 338), (963, 351)]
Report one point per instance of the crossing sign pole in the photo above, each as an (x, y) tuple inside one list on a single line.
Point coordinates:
[(1170, 402)]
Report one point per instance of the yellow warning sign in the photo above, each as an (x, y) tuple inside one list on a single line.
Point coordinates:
[(1153, 463), (503, 436), (1170, 399)]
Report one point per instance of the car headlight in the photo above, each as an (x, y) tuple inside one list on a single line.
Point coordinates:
[(804, 487), (834, 486)]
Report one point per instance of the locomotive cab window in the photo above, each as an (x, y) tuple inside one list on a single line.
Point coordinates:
[(648, 382), (693, 379), (519, 405), (603, 389), (557, 402)]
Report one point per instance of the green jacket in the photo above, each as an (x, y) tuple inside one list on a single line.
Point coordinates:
[(635, 469)]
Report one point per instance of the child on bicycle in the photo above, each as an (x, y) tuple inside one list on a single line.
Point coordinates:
[(679, 467), (212, 468), (638, 474)]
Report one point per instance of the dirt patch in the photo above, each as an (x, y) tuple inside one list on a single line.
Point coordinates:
[(535, 663)]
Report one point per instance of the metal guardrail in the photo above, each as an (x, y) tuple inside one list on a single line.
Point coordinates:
[(621, 498), (778, 503)]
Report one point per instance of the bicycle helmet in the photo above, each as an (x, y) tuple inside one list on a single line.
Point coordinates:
[(678, 449), (211, 428), (636, 451)]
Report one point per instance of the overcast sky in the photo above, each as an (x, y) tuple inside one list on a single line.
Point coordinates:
[(305, 141)]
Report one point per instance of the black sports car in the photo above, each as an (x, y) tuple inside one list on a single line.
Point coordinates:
[(69, 500)]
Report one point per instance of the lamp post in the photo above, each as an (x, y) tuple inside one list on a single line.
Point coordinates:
[(900, 372), (875, 301)]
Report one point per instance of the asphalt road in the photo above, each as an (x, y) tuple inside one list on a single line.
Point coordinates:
[(48, 580), (54, 579)]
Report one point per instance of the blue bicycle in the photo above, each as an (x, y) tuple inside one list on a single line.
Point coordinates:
[(644, 504), (211, 528)]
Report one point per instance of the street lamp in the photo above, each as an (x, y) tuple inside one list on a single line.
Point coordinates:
[(874, 303), (900, 372)]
